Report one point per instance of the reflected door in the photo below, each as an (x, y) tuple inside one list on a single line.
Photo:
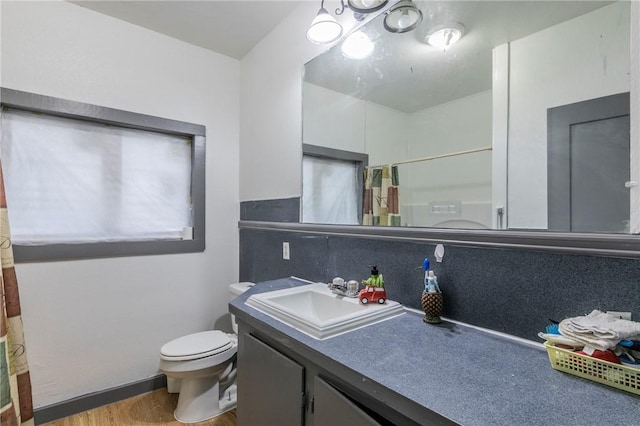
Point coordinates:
[(588, 159)]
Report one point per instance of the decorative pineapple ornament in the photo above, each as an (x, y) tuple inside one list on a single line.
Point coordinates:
[(432, 307)]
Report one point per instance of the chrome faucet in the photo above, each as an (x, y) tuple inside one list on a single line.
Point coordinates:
[(349, 289)]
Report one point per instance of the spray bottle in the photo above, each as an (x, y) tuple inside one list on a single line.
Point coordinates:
[(430, 279), (432, 283), (431, 300), (425, 265)]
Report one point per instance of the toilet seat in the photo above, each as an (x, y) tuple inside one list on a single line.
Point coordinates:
[(196, 345)]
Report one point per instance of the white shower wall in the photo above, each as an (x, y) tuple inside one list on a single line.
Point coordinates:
[(462, 181)]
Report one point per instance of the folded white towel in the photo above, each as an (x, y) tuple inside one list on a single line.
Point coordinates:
[(599, 330)]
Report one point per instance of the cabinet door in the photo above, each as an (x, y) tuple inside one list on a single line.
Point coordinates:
[(332, 408), (270, 386)]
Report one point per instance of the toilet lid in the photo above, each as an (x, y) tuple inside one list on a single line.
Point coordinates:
[(196, 345)]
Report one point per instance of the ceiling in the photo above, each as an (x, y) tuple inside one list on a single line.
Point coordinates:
[(231, 28)]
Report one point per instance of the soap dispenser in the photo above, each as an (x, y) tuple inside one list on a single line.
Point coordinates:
[(374, 289), (375, 280)]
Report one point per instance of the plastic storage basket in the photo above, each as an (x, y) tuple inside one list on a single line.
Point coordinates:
[(616, 375)]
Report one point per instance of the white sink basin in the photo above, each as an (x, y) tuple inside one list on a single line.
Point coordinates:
[(316, 311)]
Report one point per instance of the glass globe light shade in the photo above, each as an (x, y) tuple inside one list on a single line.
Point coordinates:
[(324, 28), (366, 6), (402, 17), (357, 46)]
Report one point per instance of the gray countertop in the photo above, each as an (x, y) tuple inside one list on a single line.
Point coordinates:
[(466, 375)]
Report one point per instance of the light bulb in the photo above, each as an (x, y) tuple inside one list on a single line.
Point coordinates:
[(357, 46), (443, 38), (405, 20)]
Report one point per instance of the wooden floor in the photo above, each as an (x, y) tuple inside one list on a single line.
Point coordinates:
[(153, 408)]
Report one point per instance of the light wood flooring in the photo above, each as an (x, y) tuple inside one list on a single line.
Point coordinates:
[(153, 408)]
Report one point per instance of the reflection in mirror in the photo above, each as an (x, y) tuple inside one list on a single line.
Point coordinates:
[(521, 124)]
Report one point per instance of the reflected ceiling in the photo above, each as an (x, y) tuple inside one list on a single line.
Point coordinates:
[(381, 77)]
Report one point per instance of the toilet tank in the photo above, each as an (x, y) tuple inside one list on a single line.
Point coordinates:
[(235, 290)]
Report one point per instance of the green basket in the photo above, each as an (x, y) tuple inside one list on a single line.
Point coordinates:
[(608, 373)]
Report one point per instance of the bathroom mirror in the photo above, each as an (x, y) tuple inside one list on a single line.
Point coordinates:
[(501, 130)]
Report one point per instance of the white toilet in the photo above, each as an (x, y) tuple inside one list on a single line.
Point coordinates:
[(205, 365)]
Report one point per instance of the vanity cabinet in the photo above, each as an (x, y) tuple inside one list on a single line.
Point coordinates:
[(274, 389), (331, 408), (270, 386)]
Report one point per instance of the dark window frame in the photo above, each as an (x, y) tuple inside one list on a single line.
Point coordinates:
[(361, 162), (25, 101)]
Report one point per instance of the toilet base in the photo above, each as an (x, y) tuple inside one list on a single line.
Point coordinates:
[(200, 400)]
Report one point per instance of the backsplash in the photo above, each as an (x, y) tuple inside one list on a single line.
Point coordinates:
[(511, 291), (280, 210)]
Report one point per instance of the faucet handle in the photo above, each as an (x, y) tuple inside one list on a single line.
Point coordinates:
[(352, 288), (337, 281)]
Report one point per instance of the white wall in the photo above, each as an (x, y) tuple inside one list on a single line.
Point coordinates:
[(585, 58), (271, 106), (270, 113), (339, 121), (95, 324), (332, 119), (387, 134)]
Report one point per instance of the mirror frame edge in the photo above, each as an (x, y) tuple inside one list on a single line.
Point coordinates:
[(604, 245)]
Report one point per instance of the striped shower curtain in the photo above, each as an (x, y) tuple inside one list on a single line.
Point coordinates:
[(381, 196), (16, 406)]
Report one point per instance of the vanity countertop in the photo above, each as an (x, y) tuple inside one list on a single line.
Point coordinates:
[(465, 375)]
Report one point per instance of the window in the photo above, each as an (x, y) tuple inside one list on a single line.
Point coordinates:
[(332, 185), (85, 181)]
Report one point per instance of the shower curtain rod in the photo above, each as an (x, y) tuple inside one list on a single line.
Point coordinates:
[(435, 157)]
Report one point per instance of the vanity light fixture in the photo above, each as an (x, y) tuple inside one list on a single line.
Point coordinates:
[(402, 17), (444, 36), (366, 6), (324, 27), (357, 46)]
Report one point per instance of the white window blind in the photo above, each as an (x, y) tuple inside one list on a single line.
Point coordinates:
[(329, 191), (74, 181)]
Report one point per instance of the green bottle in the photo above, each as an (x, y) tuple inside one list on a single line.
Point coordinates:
[(375, 280)]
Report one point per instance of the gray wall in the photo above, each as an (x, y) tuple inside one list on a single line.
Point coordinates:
[(511, 291)]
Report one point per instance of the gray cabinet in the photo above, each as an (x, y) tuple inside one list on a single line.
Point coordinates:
[(270, 386), (332, 408), (272, 391), (282, 382)]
